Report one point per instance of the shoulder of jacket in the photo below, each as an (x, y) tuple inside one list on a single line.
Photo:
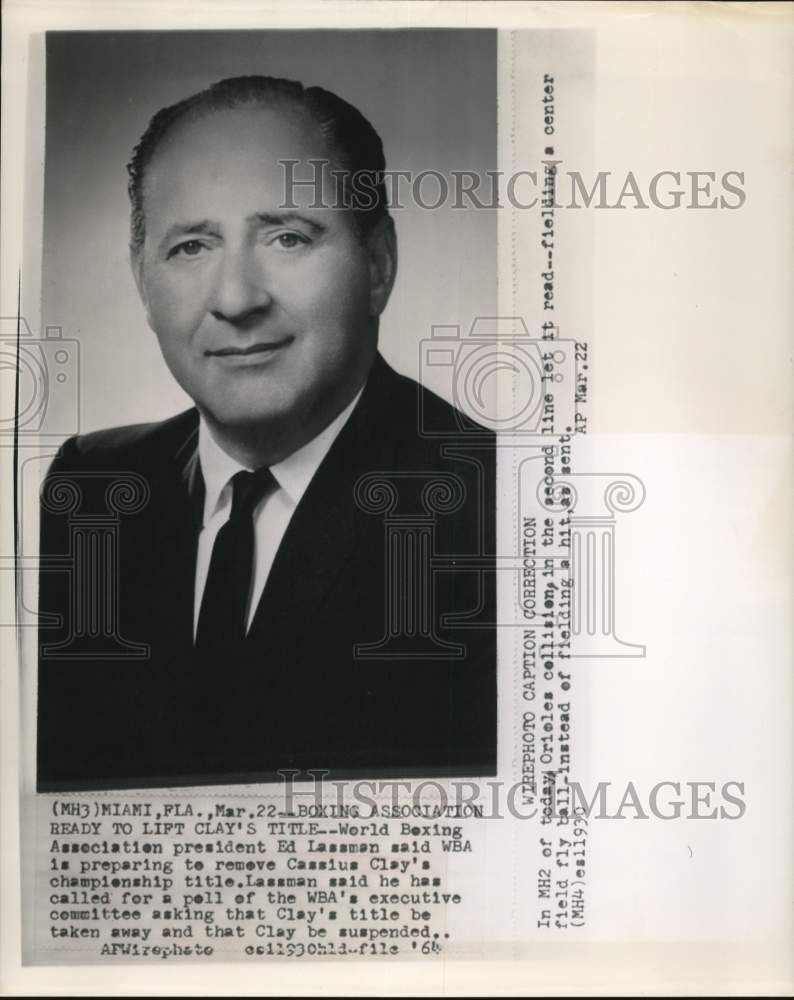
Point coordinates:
[(436, 419), (129, 445)]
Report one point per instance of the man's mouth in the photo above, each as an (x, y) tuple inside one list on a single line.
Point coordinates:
[(266, 347)]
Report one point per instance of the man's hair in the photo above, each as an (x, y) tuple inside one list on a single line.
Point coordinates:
[(355, 145)]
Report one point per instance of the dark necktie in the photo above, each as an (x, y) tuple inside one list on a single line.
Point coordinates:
[(224, 604)]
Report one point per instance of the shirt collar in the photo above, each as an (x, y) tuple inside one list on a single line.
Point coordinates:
[(293, 474)]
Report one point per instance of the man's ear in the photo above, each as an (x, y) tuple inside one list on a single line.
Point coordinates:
[(136, 265), (382, 250)]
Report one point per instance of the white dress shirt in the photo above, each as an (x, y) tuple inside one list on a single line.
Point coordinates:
[(272, 514)]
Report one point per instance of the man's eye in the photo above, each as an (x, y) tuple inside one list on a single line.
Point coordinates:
[(190, 248), (288, 241)]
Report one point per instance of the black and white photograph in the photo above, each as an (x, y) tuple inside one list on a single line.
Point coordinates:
[(395, 544), (265, 599)]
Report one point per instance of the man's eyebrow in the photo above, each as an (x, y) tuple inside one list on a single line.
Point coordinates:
[(202, 227), (285, 218), (207, 226)]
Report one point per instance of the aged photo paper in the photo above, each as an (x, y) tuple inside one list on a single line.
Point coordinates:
[(396, 522)]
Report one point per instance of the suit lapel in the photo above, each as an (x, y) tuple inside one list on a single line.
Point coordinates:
[(325, 529), (178, 492), (322, 535)]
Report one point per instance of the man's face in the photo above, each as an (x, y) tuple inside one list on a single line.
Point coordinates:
[(264, 315)]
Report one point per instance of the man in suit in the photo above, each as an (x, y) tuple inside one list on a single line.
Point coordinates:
[(267, 573)]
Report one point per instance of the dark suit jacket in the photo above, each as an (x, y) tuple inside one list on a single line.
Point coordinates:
[(123, 700)]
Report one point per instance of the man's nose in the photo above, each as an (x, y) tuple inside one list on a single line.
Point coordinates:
[(241, 288)]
